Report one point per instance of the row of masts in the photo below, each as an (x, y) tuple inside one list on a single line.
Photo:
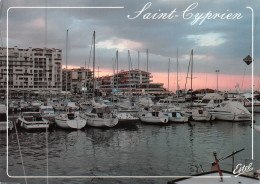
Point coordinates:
[(130, 65)]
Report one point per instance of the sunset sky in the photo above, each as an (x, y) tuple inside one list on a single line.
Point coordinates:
[(218, 44)]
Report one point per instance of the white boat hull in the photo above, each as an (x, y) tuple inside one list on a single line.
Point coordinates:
[(231, 116), (124, 116), (203, 118), (256, 108), (154, 120), (31, 125), (99, 122), (35, 126), (77, 123)]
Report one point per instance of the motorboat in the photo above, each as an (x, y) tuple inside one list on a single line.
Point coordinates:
[(100, 117), (32, 120), (199, 114), (154, 117), (247, 102), (177, 117), (231, 111), (70, 120)]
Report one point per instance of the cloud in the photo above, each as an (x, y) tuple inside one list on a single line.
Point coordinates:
[(198, 57), (36, 23), (208, 39), (120, 44)]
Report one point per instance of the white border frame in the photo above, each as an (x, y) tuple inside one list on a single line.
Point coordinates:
[(91, 177)]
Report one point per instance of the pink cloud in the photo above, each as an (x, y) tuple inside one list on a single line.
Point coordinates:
[(36, 23)]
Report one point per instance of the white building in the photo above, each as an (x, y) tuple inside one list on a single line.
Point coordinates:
[(31, 69)]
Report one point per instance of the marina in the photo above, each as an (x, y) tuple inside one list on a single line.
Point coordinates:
[(158, 92)]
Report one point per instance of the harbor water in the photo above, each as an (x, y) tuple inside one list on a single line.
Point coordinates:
[(135, 150)]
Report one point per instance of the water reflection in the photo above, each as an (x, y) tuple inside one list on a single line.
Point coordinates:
[(175, 149)]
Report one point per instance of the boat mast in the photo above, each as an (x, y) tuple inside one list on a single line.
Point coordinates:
[(147, 70), (177, 78), (117, 69), (113, 91), (169, 75), (191, 72), (67, 33), (140, 74), (129, 73), (94, 83)]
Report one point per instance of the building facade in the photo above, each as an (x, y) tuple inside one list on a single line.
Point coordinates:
[(79, 80), (130, 81), (31, 69)]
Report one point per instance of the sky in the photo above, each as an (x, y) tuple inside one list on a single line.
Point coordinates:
[(217, 44)]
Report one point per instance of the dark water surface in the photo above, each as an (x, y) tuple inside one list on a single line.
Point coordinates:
[(139, 150)]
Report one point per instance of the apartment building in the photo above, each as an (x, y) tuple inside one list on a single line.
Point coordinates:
[(130, 81), (31, 69), (79, 80)]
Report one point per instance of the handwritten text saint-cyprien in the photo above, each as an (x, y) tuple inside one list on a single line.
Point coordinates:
[(188, 14)]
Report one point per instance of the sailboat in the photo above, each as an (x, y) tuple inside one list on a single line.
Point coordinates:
[(100, 115), (152, 116), (195, 113), (69, 119)]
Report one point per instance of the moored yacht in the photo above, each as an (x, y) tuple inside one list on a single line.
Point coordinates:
[(70, 120), (154, 117), (32, 121), (100, 117), (177, 117), (127, 115), (231, 111), (199, 114)]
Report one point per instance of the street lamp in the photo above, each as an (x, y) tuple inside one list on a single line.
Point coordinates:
[(217, 71)]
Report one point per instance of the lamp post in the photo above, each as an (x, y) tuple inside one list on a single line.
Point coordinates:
[(217, 71)]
